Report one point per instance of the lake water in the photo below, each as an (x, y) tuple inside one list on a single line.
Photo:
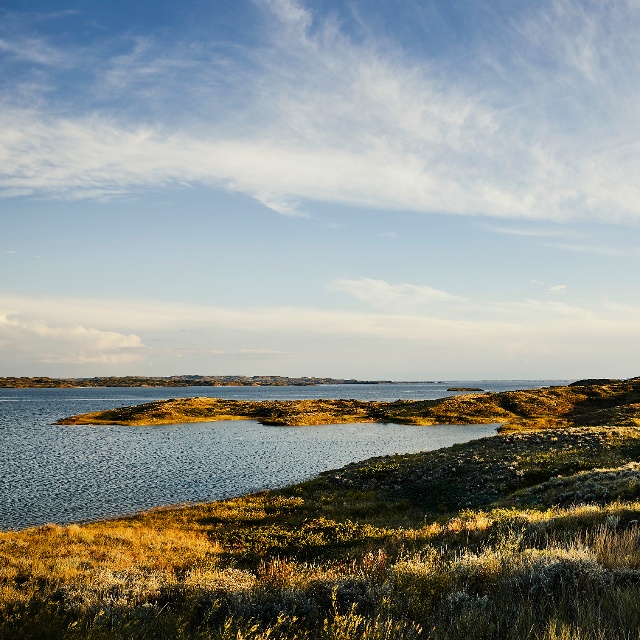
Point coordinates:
[(62, 474)]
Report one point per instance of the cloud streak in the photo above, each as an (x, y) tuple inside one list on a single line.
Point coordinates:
[(315, 115), (73, 344), (529, 337), (600, 250), (389, 297)]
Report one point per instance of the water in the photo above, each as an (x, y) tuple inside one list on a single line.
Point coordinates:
[(63, 474)]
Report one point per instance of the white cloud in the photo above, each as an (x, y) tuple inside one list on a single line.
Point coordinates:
[(317, 116), (391, 297), (551, 288), (558, 288), (74, 344)]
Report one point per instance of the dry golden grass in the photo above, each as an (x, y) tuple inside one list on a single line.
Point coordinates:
[(445, 579)]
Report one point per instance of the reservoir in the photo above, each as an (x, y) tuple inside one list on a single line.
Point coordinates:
[(65, 474)]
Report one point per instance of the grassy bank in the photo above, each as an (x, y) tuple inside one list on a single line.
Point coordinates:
[(532, 534)]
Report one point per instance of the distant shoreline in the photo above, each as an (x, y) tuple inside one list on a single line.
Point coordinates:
[(99, 382), (43, 382)]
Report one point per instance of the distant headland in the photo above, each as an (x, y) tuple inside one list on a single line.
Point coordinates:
[(43, 382)]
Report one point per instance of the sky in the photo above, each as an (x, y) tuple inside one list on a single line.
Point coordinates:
[(371, 189)]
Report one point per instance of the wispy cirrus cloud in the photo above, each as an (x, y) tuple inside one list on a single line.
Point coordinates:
[(35, 50), (601, 250), (530, 232), (240, 354), (312, 114)]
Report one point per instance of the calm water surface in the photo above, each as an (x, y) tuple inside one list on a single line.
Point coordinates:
[(68, 473)]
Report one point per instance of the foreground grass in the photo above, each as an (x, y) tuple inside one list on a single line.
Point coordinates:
[(614, 403), (523, 535)]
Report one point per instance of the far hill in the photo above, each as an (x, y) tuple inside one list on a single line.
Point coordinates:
[(174, 381)]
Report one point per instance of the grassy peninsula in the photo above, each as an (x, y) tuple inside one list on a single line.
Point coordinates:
[(533, 533), (615, 402)]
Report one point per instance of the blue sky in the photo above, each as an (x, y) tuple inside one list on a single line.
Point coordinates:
[(349, 188)]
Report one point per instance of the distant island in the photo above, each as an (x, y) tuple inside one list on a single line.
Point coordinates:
[(43, 382)]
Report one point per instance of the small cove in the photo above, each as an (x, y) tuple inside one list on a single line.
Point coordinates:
[(66, 474)]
